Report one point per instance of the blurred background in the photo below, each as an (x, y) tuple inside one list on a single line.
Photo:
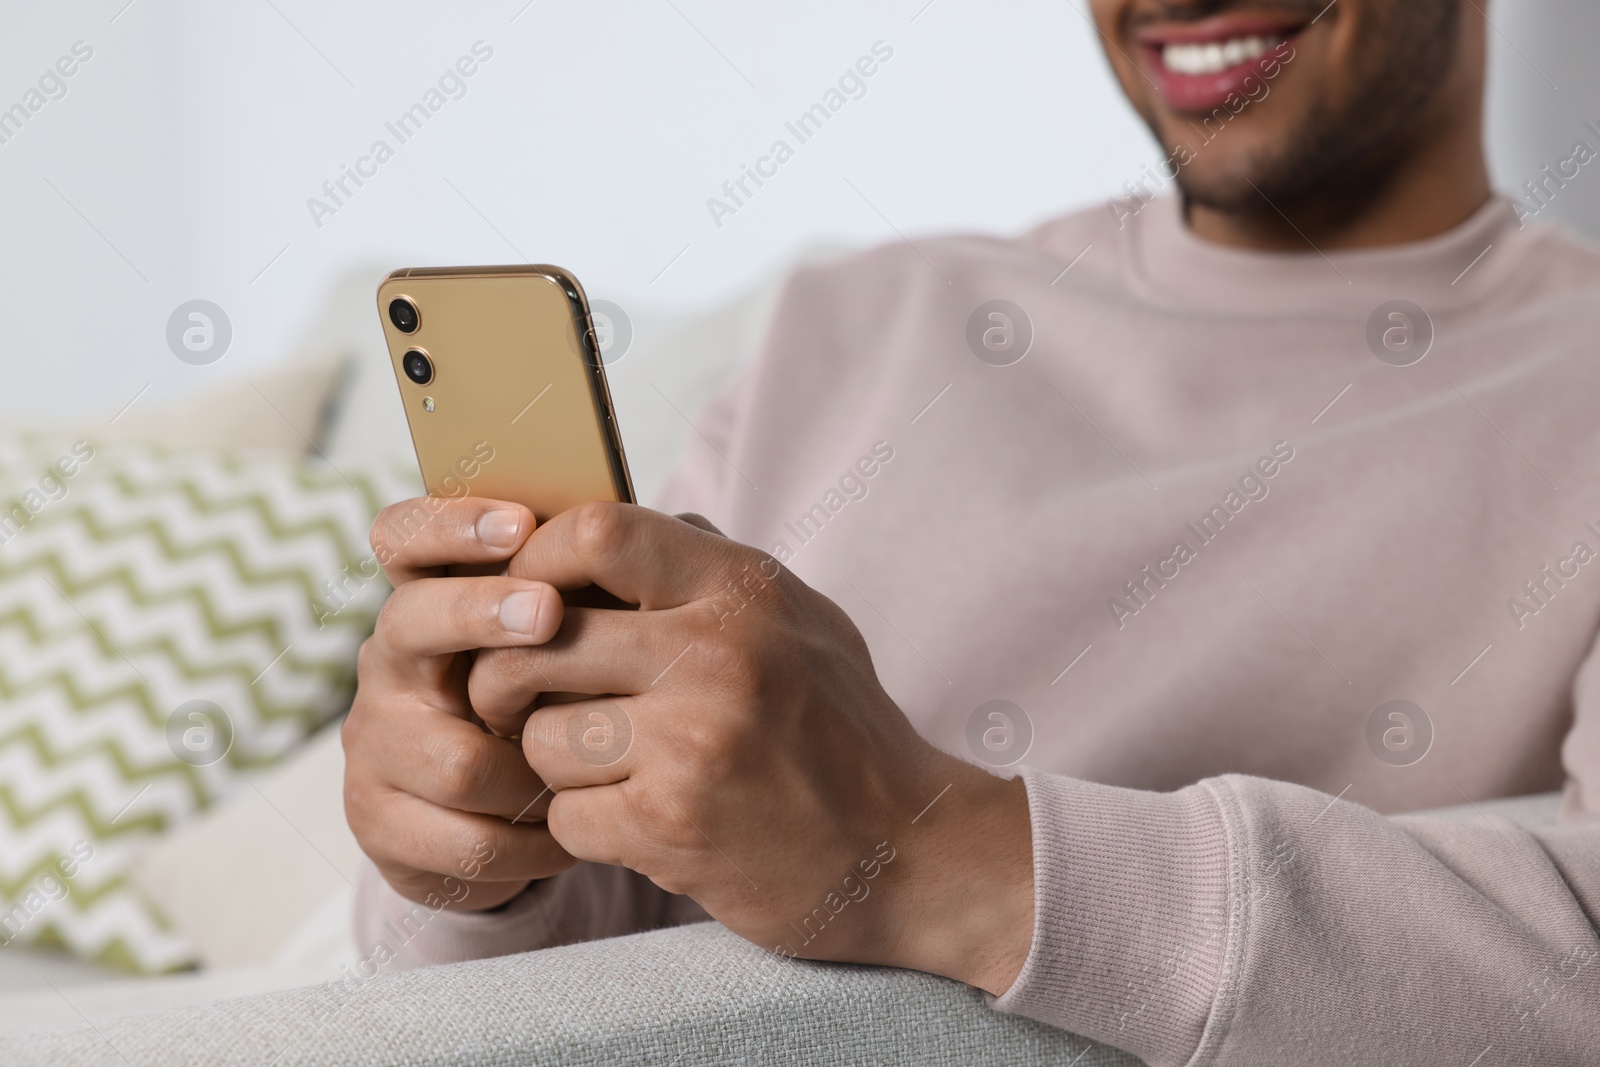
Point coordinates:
[(179, 163)]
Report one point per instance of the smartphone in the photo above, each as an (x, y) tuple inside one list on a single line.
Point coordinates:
[(503, 385)]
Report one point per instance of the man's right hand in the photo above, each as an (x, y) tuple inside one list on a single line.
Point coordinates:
[(442, 806)]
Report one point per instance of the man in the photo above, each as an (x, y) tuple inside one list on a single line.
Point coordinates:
[(1266, 507)]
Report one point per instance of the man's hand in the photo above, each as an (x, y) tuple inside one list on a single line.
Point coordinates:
[(442, 807), (750, 759)]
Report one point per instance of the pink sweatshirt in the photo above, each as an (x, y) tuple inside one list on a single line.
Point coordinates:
[(1201, 535)]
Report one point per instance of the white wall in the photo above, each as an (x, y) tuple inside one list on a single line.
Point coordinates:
[(192, 139), (1544, 88)]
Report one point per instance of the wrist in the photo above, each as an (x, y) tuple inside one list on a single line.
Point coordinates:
[(967, 890)]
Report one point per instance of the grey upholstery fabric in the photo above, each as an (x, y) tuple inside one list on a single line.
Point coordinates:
[(683, 997), (674, 998)]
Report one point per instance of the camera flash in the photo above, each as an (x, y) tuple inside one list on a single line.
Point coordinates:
[(427, 403)]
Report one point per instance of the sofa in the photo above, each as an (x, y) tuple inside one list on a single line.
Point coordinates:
[(683, 997)]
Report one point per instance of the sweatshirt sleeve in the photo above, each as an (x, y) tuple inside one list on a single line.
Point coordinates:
[(1248, 921), (587, 902)]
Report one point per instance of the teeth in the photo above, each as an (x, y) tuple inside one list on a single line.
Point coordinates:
[(1215, 57)]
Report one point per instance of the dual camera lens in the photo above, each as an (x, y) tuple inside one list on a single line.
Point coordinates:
[(418, 367)]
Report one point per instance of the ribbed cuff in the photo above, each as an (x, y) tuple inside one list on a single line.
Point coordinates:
[(389, 926), (584, 903), (1132, 928)]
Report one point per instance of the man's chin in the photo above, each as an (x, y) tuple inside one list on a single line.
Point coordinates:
[(1255, 173), (1239, 191), (1229, 169)]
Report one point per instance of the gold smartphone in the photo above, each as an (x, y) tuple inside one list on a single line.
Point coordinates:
[(503, 385)]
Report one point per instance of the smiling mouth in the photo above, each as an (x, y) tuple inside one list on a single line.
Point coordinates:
[(1217, 56), (1200, 66)]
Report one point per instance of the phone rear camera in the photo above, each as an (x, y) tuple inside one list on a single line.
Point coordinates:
[(419, 368), (403, 313)]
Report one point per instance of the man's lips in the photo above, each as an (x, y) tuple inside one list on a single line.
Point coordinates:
[(1198, 66)]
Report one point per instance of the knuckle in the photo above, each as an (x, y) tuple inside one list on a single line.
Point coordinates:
[(660, 819), (698, 521), (563, 825), (599, 529), (697, 630), (366, 662), (544, 733), (500, 672), (781, 594), (393, 611), (398, 525), (359, 811), (673, 882), (402, 609), (714, 749), (363, 765), (471, 845), (376, 533), (643, 804), (729, 661), (749, 584), (350, 733), (463, 766)]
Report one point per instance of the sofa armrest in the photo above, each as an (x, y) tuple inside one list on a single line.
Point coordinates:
[(683, 997), (686, 996)]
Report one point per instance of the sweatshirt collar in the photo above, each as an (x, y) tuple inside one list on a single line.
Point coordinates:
[(1170, 265)]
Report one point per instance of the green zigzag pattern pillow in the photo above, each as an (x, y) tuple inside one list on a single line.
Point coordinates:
[(170, 619)]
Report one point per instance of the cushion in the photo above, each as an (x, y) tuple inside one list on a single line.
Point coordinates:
[(241, 881), (289, 410), (170, 618)]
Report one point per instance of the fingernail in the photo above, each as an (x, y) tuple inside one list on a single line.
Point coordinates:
[(498, 529), (519, 612)]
